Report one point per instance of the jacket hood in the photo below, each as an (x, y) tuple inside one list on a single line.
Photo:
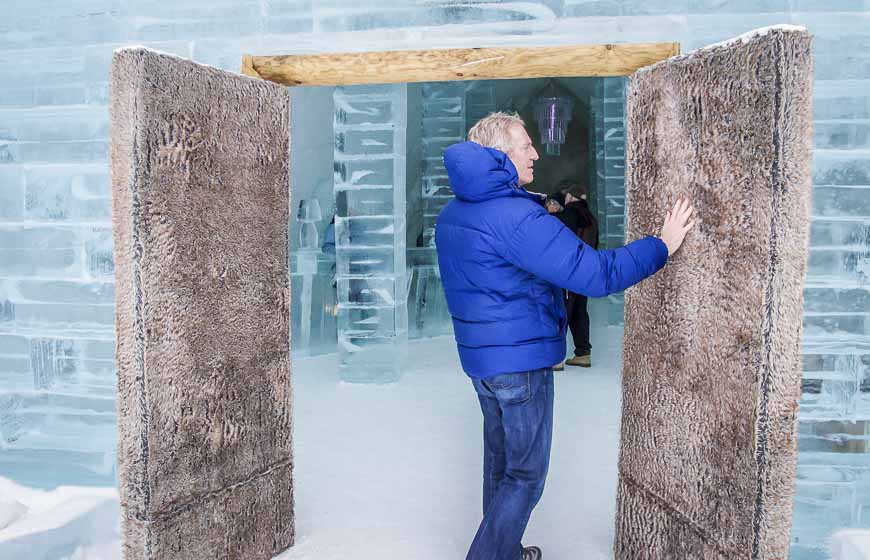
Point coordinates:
[(478, 173)]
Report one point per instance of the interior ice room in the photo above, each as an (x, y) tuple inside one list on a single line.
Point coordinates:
[(387, 430)]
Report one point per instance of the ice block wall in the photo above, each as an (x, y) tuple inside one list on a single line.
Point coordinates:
[(370, 160), (56, 291), (57, 380), (833, 486)]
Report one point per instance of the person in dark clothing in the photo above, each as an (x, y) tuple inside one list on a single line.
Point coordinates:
[(504, 263), (555, 208), (577, 217)]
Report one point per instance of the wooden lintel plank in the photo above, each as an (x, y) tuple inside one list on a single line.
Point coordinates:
[(457, 64), (248, 66)]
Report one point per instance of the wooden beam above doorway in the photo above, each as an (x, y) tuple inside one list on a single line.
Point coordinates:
[(441, 65)]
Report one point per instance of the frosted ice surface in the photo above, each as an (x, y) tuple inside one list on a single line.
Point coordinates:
[(743, 38), (760, 32), (851, 544), (139, 48), (11, 510), (55, 524)]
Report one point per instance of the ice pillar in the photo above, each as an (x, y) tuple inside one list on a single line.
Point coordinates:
[(609, 141), (370, 170), (443, 125), (613, 159)]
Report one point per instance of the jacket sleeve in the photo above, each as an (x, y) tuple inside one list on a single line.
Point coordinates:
[(541, 245)]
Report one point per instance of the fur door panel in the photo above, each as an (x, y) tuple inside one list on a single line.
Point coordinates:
[(200, 187), (712, 361)]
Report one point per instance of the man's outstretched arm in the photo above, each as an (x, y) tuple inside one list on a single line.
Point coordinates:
[(547, 249)]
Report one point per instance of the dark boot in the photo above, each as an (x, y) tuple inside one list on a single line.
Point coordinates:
[(532, 553), (582, 361)]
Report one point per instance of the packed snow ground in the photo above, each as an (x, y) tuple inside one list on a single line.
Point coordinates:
[(395, 472), (389, 472)]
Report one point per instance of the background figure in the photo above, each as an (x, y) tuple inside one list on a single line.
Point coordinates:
[(578, 218)]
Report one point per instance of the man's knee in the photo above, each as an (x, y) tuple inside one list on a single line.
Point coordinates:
[(531, 482)]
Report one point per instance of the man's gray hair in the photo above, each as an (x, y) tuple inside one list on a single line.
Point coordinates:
[(493, 130)]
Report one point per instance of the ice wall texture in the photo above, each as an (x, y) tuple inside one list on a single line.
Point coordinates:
[(56, 290), (711, 354), (200, 177)]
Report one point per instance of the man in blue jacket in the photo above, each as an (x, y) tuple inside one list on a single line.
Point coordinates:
[(504, 262)]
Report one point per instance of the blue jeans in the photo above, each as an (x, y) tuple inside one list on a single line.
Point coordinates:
[(517, 432)]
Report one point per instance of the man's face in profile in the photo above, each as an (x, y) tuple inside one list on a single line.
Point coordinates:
[(522, 154)]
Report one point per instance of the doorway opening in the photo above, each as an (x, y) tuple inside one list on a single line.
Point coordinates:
[(398, 467)]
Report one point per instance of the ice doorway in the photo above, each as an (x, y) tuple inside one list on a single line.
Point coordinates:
[(393, 470), (368, 184)]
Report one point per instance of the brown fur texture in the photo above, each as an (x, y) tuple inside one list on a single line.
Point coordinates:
[(200, 179), (712, 360)]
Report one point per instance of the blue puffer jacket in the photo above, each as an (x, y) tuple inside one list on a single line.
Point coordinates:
[(504, 262)]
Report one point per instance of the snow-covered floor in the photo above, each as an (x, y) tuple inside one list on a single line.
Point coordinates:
[(394, 471)]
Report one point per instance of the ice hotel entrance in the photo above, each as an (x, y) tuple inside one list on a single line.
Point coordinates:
[(374, 126), (367, 174)]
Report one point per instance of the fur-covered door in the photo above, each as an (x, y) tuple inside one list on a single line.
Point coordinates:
[(200, 177), (712, 362)]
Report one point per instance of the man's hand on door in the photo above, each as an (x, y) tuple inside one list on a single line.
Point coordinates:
[(677, 224)]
